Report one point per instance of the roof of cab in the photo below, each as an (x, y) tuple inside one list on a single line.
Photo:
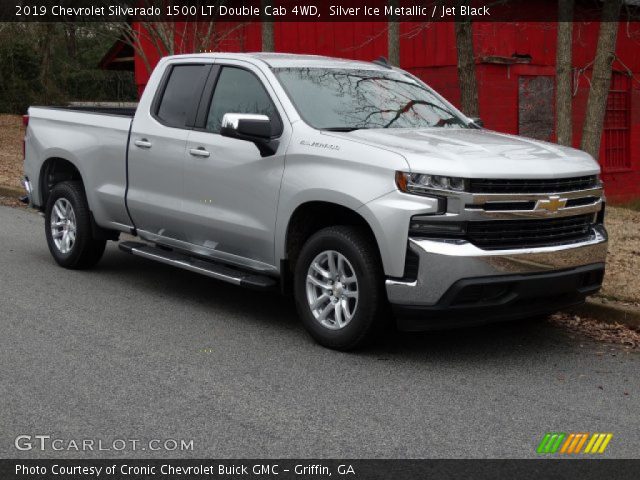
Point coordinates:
[(284, 60)]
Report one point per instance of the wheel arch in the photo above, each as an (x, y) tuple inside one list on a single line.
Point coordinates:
[(312, 216), (55, 170)]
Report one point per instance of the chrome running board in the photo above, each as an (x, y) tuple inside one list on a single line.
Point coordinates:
[(203, 267)]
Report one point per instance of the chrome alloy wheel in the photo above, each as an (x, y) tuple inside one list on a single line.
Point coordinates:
[(332, 289), (63, 225)]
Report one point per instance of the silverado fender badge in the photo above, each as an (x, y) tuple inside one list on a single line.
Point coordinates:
[(319, 145)]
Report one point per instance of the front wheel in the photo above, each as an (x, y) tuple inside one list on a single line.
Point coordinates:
[(338, 287), (68, 228)]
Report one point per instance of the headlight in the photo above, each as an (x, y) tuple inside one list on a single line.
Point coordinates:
[(424, 184)]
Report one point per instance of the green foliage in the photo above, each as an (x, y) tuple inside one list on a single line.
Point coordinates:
[(52, 64), (19, 69)]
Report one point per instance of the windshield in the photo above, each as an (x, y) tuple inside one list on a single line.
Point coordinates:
[(349, 99)]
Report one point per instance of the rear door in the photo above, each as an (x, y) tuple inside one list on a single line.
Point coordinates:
[(231, 192), (156, 152)]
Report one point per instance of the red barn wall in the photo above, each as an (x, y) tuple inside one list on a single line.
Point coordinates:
[(357, 40), (428, 50)]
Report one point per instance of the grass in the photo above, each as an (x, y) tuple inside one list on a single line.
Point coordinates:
[(632, 205), (623, 261)]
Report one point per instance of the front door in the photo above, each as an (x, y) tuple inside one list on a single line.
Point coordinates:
[(231, 192)]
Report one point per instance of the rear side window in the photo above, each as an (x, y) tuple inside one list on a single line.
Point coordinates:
[(181, 94), (240, 91)]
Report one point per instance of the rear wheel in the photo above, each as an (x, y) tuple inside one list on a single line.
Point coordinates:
[(68, 228), (338, 287)]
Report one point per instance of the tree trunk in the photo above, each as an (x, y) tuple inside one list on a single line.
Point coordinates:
[(564, 97), (601, 78), (46, 40), (393, 37), (72, 42), (268, 40), (268, 43), (466, 67)]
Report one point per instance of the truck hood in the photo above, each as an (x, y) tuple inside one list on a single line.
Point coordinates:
[(478, 153)]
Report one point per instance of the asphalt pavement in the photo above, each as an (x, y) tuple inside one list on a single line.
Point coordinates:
[(135, 350)]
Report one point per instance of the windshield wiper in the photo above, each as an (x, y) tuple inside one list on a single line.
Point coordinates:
[(341, 129)]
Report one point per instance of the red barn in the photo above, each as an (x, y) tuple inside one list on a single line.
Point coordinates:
[(515, 68)]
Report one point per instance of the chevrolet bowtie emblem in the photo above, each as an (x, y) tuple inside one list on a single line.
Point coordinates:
[(551, 204)]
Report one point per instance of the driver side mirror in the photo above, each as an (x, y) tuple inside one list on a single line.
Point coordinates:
[(477, 121), (251, 128)]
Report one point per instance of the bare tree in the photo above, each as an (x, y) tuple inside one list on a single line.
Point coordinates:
[(70, 30), (268, 39), (151, 40), (601, 78), (564, 124), (393, 36), (157, 35), (45, 44), (466, 65)]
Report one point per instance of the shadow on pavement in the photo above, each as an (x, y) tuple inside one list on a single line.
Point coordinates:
[(494, 340)]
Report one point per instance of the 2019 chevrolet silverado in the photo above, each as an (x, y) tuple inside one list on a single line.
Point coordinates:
[(351, 184)]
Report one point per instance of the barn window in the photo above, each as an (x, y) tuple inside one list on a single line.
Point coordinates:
[(615, 142)]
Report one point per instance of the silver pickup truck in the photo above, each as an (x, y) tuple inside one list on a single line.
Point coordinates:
[(352, 185)]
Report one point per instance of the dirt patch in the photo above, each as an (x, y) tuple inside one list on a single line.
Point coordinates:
[(11, 133), (604, 332), (11, 202), (621, 280)]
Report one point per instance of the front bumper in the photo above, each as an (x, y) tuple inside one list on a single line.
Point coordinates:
[(26, 184), (443, 264)]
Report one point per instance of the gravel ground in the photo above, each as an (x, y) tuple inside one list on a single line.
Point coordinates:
[(11, 133), (623, 261), (604, 332)]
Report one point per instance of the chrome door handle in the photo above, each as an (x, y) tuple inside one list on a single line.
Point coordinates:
[(199, 152), (144, 143)]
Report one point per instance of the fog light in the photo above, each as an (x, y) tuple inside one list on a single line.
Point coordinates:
[(426, 227)]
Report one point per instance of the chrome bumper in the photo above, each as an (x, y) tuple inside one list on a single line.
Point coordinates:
[(27, 186), (444, 262)]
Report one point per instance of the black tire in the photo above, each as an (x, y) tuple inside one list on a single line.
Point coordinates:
[(361, 252), (85, 251)]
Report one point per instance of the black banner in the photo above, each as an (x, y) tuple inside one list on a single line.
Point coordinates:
[(541, 469), (303, 10)]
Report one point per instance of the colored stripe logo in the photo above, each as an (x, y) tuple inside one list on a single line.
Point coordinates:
[(573, 443)]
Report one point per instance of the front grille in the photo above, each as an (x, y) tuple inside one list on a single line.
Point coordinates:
[(505, 234), (485, 185), (579, 202), (500, 206)]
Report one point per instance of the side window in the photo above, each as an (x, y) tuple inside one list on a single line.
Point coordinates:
[(179, 97), (240, 91)]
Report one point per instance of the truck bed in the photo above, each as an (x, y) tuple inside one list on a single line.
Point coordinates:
[(99, 110), (95, 140)]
